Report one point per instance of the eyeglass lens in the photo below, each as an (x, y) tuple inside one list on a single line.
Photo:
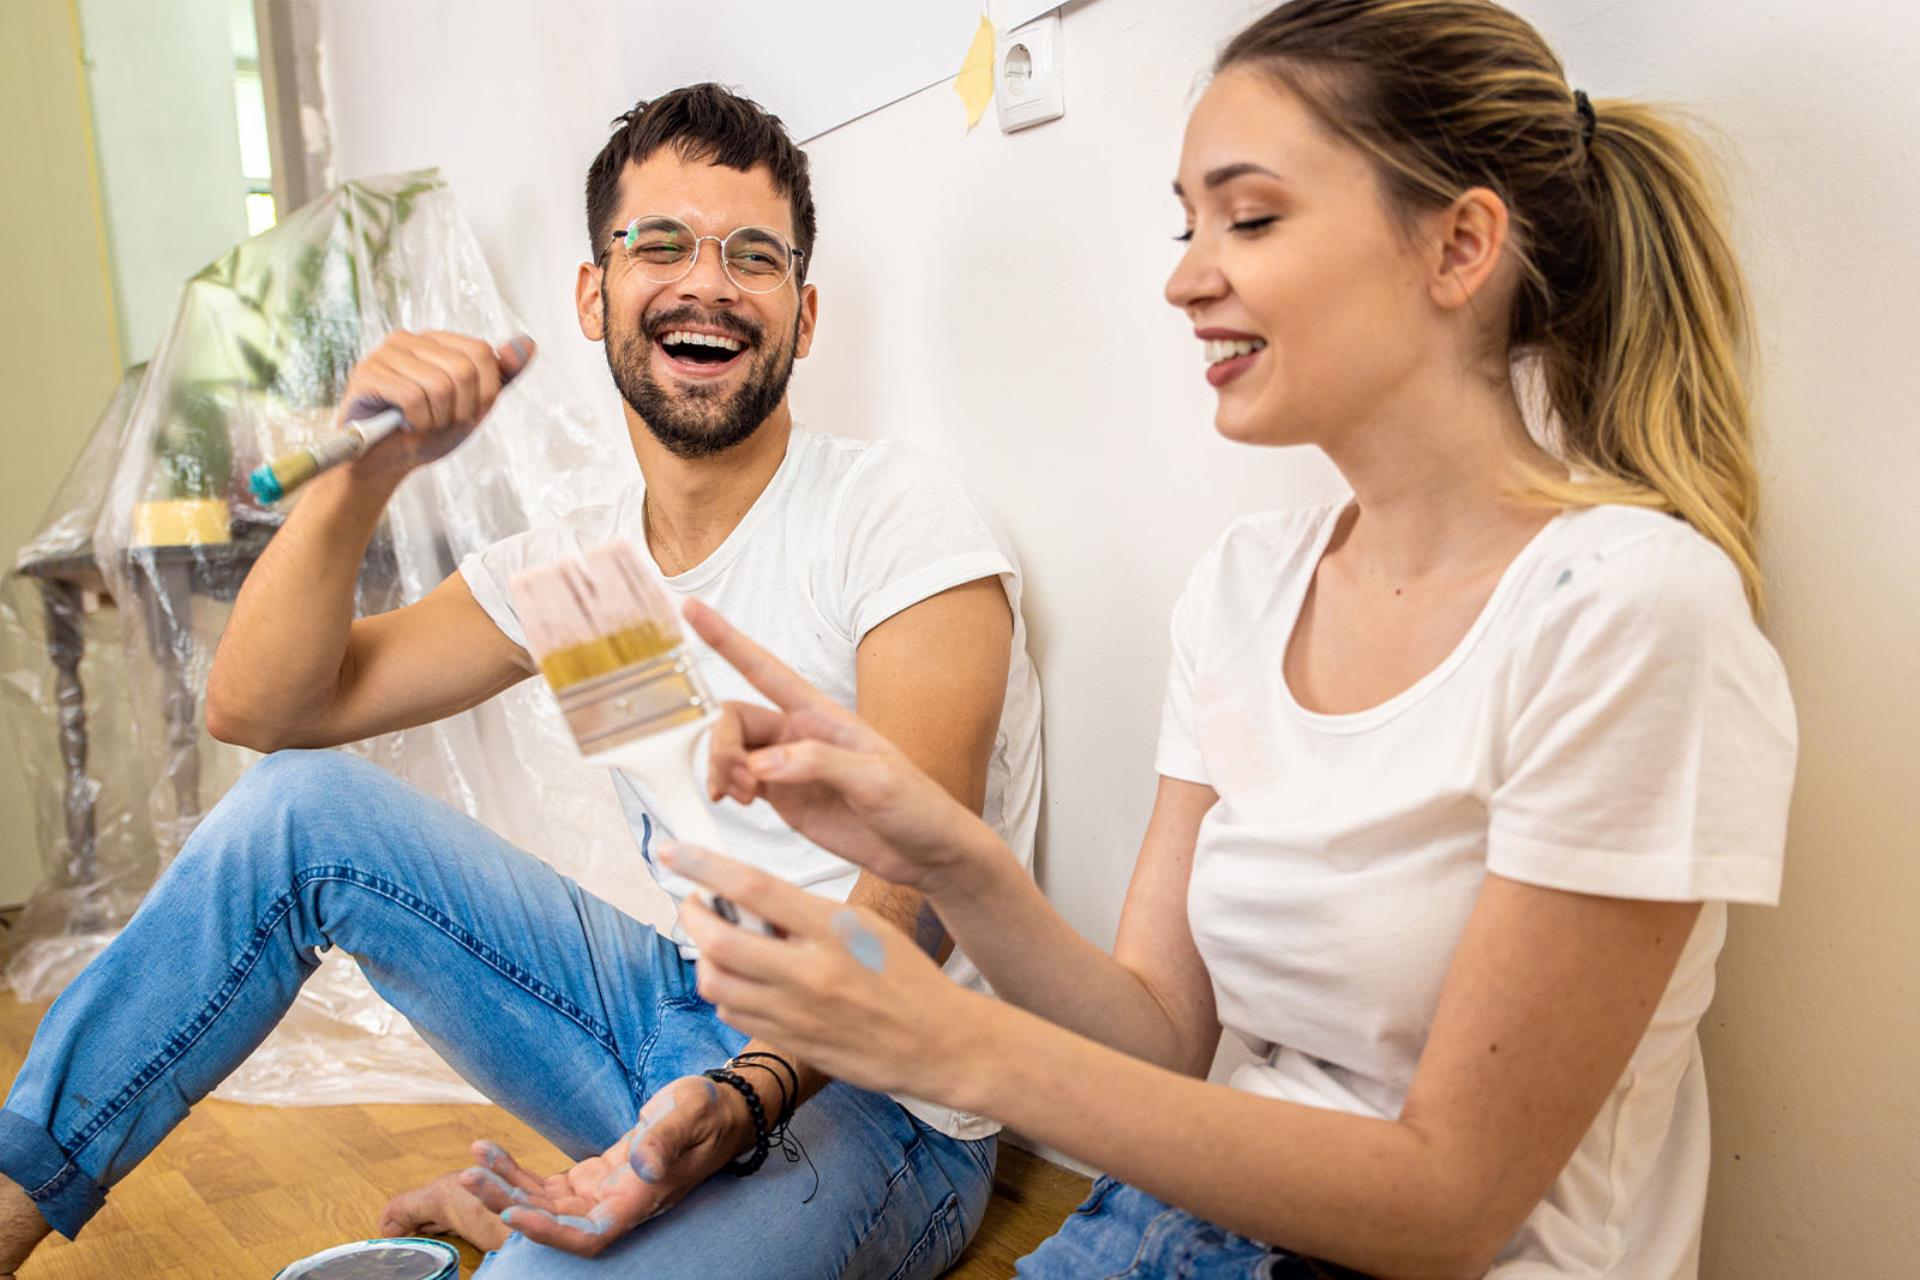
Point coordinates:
[(759, 259)]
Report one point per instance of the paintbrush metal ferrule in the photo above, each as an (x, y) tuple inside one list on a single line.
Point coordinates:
[(602, 629), (274, 480), (608, 710)]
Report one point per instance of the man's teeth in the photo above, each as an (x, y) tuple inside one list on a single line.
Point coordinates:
[(681, 337), (1219, 349)]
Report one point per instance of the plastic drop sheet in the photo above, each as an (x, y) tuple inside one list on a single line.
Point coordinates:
[(110, 615)]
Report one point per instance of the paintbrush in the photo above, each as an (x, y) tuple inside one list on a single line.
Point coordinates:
[(272, 481), (607, 638)]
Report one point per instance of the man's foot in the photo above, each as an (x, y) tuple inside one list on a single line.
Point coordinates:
[(443, 1207), (21, 1228)]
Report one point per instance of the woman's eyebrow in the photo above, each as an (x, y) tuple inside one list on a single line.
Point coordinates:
[(1227, 173)]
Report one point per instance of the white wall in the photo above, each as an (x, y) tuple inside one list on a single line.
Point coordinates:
[(512, 107), (996, 299)]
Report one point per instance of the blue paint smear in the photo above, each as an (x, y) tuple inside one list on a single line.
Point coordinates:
[(859, 941)]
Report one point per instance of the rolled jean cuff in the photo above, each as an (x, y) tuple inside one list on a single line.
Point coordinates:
[(66, 1197)]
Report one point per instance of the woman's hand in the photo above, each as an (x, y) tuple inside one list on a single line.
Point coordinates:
[(842, 988), (833, 778)]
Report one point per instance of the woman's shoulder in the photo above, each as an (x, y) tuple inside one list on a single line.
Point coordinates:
[(1273, 544), (1620, 586), (1639, 562)]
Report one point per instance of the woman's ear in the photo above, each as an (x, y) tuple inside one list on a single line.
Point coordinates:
[(1471, 239)]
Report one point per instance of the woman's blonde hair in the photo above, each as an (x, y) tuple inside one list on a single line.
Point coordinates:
[(1630, 299)]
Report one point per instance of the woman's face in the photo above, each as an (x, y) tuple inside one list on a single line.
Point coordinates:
[(1311, 303)]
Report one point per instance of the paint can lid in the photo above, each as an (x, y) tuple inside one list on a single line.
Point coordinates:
[(408, 1258)]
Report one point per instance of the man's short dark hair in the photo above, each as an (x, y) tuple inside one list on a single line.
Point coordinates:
[(702, 122)]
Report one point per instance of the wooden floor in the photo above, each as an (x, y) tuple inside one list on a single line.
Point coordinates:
[(237, 1191)]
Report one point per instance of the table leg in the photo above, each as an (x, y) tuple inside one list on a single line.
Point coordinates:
[(167, 605), (66, 645)]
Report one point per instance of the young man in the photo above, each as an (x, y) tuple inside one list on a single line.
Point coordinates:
[(876, 575)]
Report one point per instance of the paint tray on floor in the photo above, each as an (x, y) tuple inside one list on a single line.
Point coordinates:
[(409, 1258)]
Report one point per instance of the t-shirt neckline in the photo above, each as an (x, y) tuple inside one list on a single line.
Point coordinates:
[(704, 573), (1381, 712)]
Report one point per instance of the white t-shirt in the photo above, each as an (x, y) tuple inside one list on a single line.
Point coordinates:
[(1614, 723), (845, 535)]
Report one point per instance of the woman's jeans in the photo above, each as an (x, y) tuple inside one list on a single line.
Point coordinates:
[(1121, 1231), (552, 1003)]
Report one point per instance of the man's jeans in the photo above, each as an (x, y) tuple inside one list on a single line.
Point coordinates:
[(553, 1004)]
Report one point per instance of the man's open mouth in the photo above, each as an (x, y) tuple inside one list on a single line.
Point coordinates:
[(685, 346)]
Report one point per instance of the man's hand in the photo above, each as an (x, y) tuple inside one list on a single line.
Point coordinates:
[(443, 382), (686, 1132)]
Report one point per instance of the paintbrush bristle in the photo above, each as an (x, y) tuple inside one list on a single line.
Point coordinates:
[(594, 616)]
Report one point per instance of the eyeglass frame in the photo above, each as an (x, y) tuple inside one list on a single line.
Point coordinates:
[(797, 255)]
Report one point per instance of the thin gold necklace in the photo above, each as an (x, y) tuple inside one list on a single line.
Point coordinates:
[(659, 541)]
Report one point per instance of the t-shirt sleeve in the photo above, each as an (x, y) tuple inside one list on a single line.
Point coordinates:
[(1178, 753), (487, 572), (1649, 737), (904, 530)]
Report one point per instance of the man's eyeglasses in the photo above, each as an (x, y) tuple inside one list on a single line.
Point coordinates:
[(663, 250)]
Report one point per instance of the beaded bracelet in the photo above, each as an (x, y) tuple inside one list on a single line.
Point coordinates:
[(747, 1164), (781, 1135), (790, 1087)]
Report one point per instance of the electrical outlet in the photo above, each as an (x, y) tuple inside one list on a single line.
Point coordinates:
[(1030, 81)]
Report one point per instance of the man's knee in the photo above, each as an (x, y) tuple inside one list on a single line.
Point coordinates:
[(276, 805), (300, 775)]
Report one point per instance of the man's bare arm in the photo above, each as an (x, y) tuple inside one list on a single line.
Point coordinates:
[(294, 668)]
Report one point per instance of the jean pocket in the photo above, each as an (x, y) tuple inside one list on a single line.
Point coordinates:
[(939, 1245), (1102, 1187)]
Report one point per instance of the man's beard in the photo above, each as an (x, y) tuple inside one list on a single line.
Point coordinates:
[(700, 420)]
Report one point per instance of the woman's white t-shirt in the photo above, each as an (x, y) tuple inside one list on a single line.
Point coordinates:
[(1614, 723)]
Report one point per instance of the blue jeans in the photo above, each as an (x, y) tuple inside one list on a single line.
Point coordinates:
[(1122, 1232), (552, 1003)]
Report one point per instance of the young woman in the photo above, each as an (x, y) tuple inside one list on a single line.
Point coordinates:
[(1456, 775)]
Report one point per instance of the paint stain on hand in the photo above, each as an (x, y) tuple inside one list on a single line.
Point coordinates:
[(860, 941), (596, 1225)]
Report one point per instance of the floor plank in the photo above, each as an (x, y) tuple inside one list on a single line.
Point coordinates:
[(236, 1192), (1031, 1198)]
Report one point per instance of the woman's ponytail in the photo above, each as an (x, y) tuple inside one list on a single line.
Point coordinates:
[(1644, 373)]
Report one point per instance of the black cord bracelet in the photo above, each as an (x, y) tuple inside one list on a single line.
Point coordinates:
[(747, 1164), (781, 1135), (790, 1087)]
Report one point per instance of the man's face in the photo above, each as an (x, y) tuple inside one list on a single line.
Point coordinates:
[(697, 398)]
